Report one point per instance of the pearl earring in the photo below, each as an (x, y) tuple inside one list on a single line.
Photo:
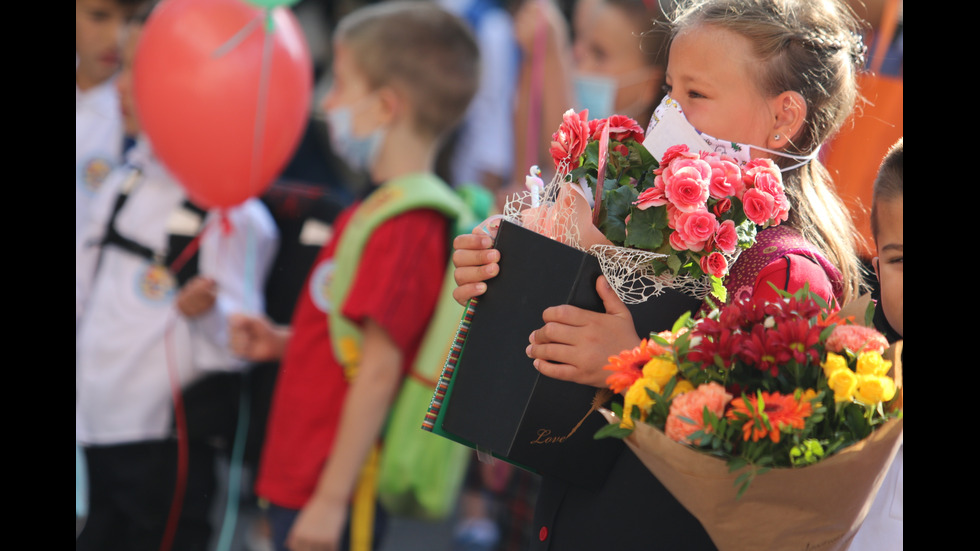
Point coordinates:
[(776, 137)]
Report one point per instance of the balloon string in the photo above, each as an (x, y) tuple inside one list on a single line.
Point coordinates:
[(237, 38), (180, 420), (261, 108)]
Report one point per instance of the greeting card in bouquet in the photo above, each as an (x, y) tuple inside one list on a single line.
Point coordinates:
[(496, 401)]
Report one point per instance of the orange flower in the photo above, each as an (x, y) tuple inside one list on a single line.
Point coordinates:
[(628, 365), (778, 411)]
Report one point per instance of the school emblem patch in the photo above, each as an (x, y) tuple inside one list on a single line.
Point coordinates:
[(94, 173), (320, 285), (156, 283)]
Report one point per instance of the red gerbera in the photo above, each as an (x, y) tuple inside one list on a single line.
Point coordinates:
[(799, 339), (776, 411), (628, 365)]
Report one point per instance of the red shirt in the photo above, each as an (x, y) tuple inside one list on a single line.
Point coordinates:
[(397, 285)]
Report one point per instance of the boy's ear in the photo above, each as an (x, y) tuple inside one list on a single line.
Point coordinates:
[(789, 114), (392, 105), (874, 263)]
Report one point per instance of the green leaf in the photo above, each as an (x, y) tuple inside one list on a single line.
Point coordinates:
[(718, 289), (612, 430), (681, 322), (617, 203)]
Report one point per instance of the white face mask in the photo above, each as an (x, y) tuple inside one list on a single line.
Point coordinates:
[(358, 152), (669, 127), (597, 93)]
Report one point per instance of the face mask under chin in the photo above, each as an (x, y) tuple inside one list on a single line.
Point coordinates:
[(669, 126)]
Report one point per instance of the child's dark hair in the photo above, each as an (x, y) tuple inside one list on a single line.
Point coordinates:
[(423, 50), (813, 47), (890, 182)]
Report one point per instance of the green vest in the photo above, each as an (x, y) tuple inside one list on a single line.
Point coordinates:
[(419, 474), (391, 199)]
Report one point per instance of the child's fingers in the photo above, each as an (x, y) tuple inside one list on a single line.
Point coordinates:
[(559, 371), (475, 274), (475, 257), (567, 315), (472, 241), (464, 293)]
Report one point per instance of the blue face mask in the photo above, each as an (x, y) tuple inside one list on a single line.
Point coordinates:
[(595, 93), (358, 152)]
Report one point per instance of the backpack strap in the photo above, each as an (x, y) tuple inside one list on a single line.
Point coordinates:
[(772, 244), (180, 258), (391, 199)]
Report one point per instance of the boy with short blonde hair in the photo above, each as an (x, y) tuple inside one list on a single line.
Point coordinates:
[(404, 73)]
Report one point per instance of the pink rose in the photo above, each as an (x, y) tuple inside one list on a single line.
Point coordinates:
[(714, 264), (769, 183), (696, 228), (721, 207), (754, 167), (687, 411), (781, 210), (569, 142), (621, 128), (676, 242), (686, 184), (622, 150), (726, 238), (758, 206), (675, 151), (726, 177), (652, 196), (856, 338)]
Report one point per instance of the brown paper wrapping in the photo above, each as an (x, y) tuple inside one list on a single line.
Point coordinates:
[(818, 507)]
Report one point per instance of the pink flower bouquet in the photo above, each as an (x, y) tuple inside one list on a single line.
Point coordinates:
[(679, 221), (772, 423)]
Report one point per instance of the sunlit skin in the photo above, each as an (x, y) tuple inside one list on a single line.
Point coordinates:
[(719, 94), (889, 264), (98, 24), (609, 46)]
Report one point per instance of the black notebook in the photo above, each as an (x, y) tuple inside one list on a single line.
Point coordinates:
[(498, 402)]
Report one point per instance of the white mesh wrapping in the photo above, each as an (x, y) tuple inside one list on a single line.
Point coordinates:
[(549, 212)]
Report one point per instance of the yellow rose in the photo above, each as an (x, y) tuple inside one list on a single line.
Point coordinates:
[(871, 363), (844, 383), (681, 387), (659, 370), (872, 389), (833, 363), (637, 397)]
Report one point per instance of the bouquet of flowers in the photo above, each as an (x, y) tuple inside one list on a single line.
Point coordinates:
[(779, 399), (676, 222)]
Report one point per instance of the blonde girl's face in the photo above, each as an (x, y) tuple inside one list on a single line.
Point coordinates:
[(711, 73)]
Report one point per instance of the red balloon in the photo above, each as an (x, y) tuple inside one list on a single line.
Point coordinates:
[(222, 96)]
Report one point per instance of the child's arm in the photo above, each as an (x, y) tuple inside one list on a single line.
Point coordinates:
[(238, 260), (256, 338), (322, 520), (575, 344)]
